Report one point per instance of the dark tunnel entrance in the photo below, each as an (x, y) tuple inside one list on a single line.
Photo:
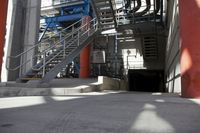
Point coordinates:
[(146, 80)]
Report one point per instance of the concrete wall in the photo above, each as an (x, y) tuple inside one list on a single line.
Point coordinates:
[(22, 33), (31, 31), (172, 61), (158, 64), (127, 53), (117, 59), (14, 38), (131, 50)]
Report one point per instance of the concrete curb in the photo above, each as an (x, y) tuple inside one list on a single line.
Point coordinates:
[(22, 91)]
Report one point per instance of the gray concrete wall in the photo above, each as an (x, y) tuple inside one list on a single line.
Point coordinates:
[(172, 61), (131, 50), (22, 33), (116, 53), (14, 38), (31, 31), (129, 53), (158, 64)]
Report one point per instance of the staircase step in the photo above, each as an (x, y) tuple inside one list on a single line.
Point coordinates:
[(53, 63), (105, 15), (57, 55), (108, 27), (105, 6), (106, 19), (108, 23), (104, 10), (101, 1)]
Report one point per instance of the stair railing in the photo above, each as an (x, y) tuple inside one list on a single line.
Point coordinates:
[(74, 39), (38, 46), (46, 55), (59, 2)]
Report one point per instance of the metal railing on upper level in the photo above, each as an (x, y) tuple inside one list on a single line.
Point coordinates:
[(42, 58), (58, 3)]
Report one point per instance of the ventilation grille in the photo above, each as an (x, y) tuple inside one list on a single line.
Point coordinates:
[(150, 47)]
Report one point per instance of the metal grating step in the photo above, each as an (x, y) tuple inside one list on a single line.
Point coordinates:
[(105, 13)]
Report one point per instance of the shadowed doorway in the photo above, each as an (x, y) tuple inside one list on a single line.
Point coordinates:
[(146, 80)]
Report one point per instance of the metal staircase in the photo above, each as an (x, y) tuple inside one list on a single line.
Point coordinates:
[(105, 14), (50, 60)]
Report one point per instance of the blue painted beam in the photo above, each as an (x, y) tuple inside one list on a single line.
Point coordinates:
[(57, 19)]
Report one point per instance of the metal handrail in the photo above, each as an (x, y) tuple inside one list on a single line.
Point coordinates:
[(43, 53), (75, 35), (39, 44), (78, 40), (60, 3)]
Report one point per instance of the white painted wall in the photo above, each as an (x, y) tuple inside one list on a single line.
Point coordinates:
[(172, 61)]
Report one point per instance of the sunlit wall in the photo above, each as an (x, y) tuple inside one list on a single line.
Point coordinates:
[(172, 61)]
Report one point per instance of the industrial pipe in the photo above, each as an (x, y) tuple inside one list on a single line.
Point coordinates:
[(128, 4), (136, 8), (148, 6), (85, 54), (157, 8)]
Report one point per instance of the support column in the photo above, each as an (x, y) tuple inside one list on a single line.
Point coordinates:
[(85, 55), (31, 26), (22, 33), (3, 16), (190, 47)]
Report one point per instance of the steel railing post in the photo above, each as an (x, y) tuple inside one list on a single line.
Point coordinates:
[(78, 37), (64, 48), (72, 31), (44, 61), (20, 68)]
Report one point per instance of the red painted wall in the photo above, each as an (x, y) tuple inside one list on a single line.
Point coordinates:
[(190, 47), (85, 62), (85, 55), (3, 16)]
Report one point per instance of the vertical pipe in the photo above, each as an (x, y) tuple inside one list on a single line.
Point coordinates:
[(161, 12), (116, 55), (190, 45), (44, 66), (3, 16), (85, 54)]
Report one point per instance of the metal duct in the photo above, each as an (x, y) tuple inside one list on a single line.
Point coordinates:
[(128, 4), (157, 8), (136, 8), (148, 6)]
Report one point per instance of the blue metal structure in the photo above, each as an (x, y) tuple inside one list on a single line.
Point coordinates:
[(67, 14)]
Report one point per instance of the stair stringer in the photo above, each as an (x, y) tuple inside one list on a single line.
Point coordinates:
[(54, 71)]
